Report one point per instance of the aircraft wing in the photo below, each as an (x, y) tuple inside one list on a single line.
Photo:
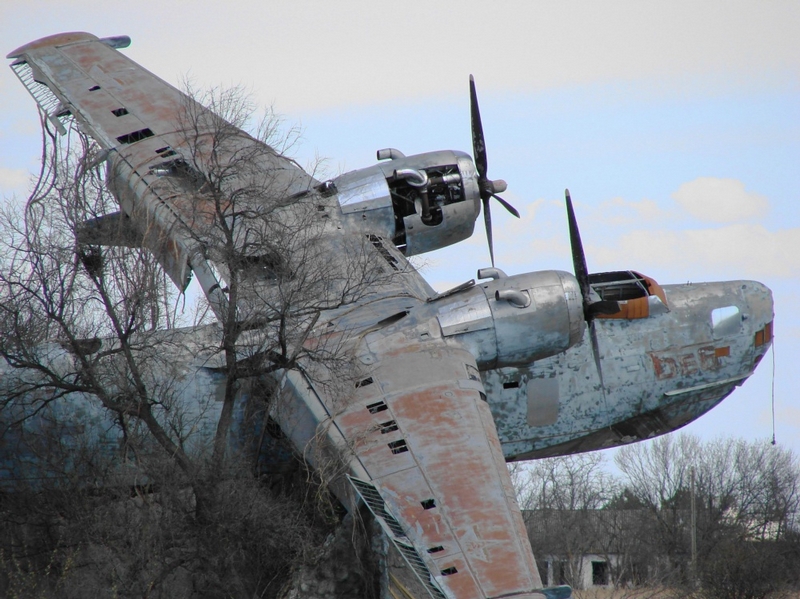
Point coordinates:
[(422, 431), (424, 451), (146, 129)]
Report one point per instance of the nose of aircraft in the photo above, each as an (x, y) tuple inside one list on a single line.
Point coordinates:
[(760, 305)]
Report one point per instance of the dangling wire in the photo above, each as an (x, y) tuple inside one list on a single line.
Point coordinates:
[(47, 170), (772, 349)]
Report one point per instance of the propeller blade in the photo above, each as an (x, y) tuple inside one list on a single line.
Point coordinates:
[(488, 188), (578, 256), (506, 205), (478, 141), (596, 354), (487, 220), (590, 308)]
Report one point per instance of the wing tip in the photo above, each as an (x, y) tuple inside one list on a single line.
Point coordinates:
[(58, 39)]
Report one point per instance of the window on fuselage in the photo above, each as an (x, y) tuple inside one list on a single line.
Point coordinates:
[(725, 321)]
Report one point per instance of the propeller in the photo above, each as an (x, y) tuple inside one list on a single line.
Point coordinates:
[(592, 304), (488, 188)]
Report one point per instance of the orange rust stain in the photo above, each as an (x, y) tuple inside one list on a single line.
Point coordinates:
[(655, 289), (88, 55), (630, 310), (721, 352), (454, 458)]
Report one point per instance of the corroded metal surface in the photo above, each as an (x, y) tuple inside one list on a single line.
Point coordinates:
[(466, 532), (446, 387), (660, 373), (143, 123)]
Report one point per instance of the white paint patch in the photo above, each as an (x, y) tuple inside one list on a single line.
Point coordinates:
[(720, 200)]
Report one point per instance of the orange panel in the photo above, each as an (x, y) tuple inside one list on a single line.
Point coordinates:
[(760, 338)]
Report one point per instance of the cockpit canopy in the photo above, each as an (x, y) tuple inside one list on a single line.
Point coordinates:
[(638, 296)]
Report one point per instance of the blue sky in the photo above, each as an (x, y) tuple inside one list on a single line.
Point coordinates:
[(676, 127)]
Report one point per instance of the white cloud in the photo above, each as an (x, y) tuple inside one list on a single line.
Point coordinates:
[(618, 212), (739, 250), (312, 55), (788, 416), (720, 200), (13, 181)]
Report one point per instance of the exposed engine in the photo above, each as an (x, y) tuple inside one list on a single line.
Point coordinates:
[(421, 202)]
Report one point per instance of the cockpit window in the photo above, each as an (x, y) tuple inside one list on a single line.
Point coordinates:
[(638, 296), (725, 321), (619, 285)]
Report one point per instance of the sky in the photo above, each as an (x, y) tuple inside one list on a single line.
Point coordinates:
[(676, 127)]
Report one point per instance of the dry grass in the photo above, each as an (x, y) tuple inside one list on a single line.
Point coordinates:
[(642, 593)]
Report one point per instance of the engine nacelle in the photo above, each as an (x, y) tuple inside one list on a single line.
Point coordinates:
[(422, 202), (511, 321)]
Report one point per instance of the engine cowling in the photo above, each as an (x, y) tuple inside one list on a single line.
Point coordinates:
[(511, 321), (422, 202)]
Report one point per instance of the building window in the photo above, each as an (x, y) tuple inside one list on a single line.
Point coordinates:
[(599, 574)]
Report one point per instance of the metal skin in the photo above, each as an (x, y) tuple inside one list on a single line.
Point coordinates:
[(447, 386), (660, 373)]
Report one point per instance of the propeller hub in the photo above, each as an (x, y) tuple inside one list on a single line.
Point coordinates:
[(490, 188), (498, 186)]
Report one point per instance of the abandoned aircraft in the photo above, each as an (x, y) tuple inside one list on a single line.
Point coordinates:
[(509, 368)]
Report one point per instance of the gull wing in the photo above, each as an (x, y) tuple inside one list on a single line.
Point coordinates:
[(158, 142)]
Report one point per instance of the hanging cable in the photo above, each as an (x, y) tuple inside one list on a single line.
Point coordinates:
[(772, 349)]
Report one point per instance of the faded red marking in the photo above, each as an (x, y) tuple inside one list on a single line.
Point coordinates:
[(688, 363), (665, 367)]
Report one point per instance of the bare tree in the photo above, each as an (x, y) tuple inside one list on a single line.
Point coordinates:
[(745, 522), (745, 498), (88, 340), (562, 498)]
